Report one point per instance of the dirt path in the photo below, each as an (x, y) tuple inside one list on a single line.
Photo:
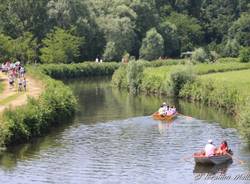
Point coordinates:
[(12, 98)]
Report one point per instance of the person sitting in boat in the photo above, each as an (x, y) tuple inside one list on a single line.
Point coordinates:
[(161, 111), (223, 148), (210, 148), (173, 110)]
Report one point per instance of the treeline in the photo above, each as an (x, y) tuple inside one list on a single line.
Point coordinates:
[(65, 31)]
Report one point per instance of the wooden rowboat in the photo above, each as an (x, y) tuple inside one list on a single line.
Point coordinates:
[(157, 116), (200, 158)]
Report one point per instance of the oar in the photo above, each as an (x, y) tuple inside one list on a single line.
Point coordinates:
[(190, 117), (234, 158)]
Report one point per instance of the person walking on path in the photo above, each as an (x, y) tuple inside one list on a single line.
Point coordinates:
[(24, 84), (20, 83)]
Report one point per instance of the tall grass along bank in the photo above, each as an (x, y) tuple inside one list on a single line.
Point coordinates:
[(223, 85), (60, 71), (55, 105)]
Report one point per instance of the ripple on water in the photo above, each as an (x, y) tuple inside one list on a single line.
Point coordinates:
[(135, 150)]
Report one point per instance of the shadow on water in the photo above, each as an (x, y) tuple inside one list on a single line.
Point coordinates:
[(212, 169)]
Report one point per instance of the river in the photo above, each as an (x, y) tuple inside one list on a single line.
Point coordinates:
[(113, 139)]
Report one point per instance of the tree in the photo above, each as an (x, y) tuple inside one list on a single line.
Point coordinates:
[(171, 39), (188, 29), (217, 17), (60, 46), (240, 30), (24, 48), (5, 47), (119, 35), (152, 45), (19, 16)]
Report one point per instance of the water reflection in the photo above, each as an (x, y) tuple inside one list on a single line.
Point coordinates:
[(212, 169), (115, 140)]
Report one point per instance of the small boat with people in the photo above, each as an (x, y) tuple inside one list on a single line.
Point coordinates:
[(214, 156), (165, 113)]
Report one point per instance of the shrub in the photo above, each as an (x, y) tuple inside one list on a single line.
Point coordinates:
[(244, 120), (199, 55), (134, 75), (119, 78), (179, 78), (245, 55), (212, 93), (79, 70)]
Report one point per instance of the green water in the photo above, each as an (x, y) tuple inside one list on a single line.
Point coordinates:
[(113, 139)]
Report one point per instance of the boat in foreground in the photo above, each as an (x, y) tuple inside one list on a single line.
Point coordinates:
[(157, 116), (200, 158)]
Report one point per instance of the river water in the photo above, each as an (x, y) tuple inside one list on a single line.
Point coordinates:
[(113, 139)]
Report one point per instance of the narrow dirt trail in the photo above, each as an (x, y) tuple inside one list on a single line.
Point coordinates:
[(10, 97)]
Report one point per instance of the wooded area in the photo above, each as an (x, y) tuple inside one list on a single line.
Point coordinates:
[(65, 31)]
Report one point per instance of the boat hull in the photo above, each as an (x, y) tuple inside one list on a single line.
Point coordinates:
[(213, 160), (157, 116)]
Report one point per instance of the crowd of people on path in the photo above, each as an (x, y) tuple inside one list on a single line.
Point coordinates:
[(166, 110), (211, 150), (16, 75)]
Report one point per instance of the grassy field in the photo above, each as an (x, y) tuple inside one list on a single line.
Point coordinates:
[(239, 80), (199, 69), (1, 87)]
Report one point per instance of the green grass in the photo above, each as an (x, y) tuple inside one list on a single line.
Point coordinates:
[(239, 80), (199, 69)]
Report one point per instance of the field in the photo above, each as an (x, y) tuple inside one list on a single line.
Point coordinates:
[(239, 80)]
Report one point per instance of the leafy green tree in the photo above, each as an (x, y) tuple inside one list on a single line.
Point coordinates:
[(152, 45), (240, 30), (188, 29), (60, 46), (119, 35), (171, 39), (19, 16), (24, 48), (217, 17), (5, 47)]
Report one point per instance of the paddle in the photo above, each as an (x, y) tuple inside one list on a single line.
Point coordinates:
[(189, 117), (234, 158)]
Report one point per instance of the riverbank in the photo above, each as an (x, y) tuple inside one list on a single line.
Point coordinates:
[(222, 85), (54, 105), (32, 114)]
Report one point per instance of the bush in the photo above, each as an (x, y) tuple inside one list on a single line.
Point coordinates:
[(244, 120), (199, 55), (245, 55), (179, 78), (211, 93), (85, 69), (134, 75), (119, 78)]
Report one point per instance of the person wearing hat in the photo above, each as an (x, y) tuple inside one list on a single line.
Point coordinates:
[(210, 148), (161, 110)]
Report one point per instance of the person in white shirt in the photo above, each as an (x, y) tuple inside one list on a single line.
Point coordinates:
[(161, 110), (210, 148)]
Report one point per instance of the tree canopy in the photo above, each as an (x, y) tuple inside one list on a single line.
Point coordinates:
[(111, 28)]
